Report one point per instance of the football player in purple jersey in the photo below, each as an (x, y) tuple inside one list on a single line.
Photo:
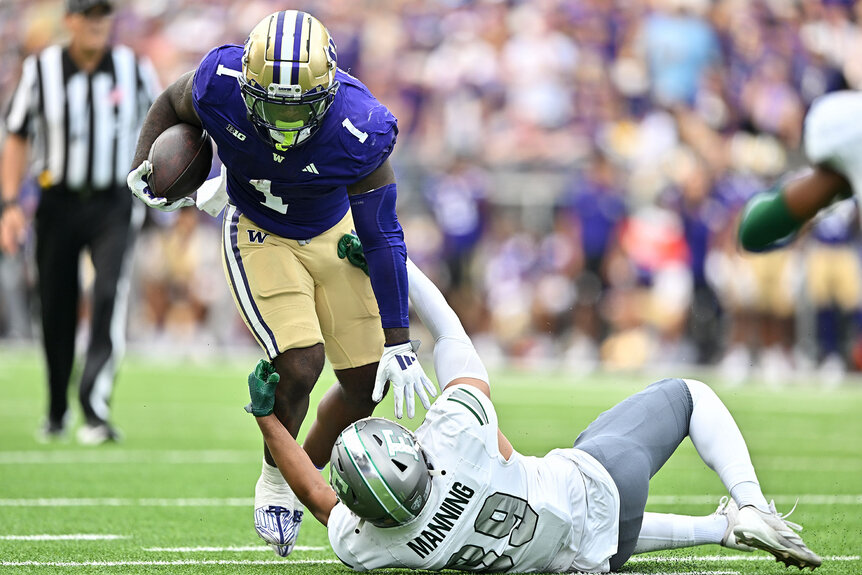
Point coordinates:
[(305, 148)]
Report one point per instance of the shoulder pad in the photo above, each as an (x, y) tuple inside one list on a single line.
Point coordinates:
[(219, 64)]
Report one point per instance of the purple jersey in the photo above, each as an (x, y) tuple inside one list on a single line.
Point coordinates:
[(301, 192)]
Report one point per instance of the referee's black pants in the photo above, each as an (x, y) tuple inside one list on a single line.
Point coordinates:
[(66, 224)]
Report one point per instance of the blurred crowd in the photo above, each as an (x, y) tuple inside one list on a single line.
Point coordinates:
[(569, 173)]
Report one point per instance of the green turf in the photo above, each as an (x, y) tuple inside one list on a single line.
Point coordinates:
[(187, 438)]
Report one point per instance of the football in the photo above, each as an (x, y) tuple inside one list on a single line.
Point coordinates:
[(181, 157)]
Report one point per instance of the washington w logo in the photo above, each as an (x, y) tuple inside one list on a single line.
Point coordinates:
[(256, 236)]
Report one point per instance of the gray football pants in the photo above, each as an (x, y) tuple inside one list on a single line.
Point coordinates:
[(632, 440)]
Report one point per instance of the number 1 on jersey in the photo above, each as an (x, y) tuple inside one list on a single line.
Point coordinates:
[(271, 201)]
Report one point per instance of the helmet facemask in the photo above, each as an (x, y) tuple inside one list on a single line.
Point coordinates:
[(288, 77), (380, 473)]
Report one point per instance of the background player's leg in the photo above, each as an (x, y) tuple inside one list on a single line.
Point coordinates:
[(111, 251), (57, 259), (348, 400)]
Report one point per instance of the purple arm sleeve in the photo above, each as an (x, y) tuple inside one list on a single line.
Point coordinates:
[(383, 242)]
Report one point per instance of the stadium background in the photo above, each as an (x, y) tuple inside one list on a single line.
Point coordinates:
[(569, 174), (569, 171)]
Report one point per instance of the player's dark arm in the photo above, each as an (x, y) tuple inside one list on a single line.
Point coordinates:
[(372, 200), (173, 106), (771, 219), (296, 467)]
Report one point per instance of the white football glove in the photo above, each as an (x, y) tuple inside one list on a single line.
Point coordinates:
[(212, 197), (400, 365), (137, 181)]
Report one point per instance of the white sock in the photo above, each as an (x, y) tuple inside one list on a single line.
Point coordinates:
[(668, 531), (719, 443), (272, 474), (749, 493), (271, 488)]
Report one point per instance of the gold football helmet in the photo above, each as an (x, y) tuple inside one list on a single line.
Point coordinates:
[(288, 77)]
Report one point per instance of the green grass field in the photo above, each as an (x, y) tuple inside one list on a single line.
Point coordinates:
[(176, 495)]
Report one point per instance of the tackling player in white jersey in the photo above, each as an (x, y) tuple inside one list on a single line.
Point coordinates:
[(456, 494), (833, 144)]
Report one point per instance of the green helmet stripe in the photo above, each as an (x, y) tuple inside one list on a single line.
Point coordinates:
[(377, 484)]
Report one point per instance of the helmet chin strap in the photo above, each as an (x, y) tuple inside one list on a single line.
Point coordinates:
[(281, 138)]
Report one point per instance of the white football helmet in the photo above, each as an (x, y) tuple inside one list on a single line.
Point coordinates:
[(380, 472), (288, 77)]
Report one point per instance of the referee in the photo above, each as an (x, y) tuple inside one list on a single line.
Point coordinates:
[(74, 119)]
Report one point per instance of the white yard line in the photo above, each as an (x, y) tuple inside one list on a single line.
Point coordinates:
[(227, 457), (720, 558), (804, 499), (286, 562), (193, 457), (846, 463), (67, 537), (686, 573), (128, 502), (266, 548), (282, 562)]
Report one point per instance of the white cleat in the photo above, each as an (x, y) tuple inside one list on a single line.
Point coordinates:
[(728, 507), (773, 533), (97, 434), (277, 515)]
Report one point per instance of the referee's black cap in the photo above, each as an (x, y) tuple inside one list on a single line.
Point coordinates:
[(83, 6)]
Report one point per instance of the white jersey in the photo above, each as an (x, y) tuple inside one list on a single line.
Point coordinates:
[(551, 514), (833, 135)]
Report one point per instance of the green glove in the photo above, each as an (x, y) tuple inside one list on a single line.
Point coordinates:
[(261, 388), (350, 247)]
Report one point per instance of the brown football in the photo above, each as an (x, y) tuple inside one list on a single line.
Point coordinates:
[(181, 157)]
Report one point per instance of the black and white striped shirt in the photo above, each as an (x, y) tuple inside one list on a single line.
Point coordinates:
[(83, 127)]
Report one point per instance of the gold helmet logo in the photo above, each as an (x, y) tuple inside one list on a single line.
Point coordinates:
[(288, 76)]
